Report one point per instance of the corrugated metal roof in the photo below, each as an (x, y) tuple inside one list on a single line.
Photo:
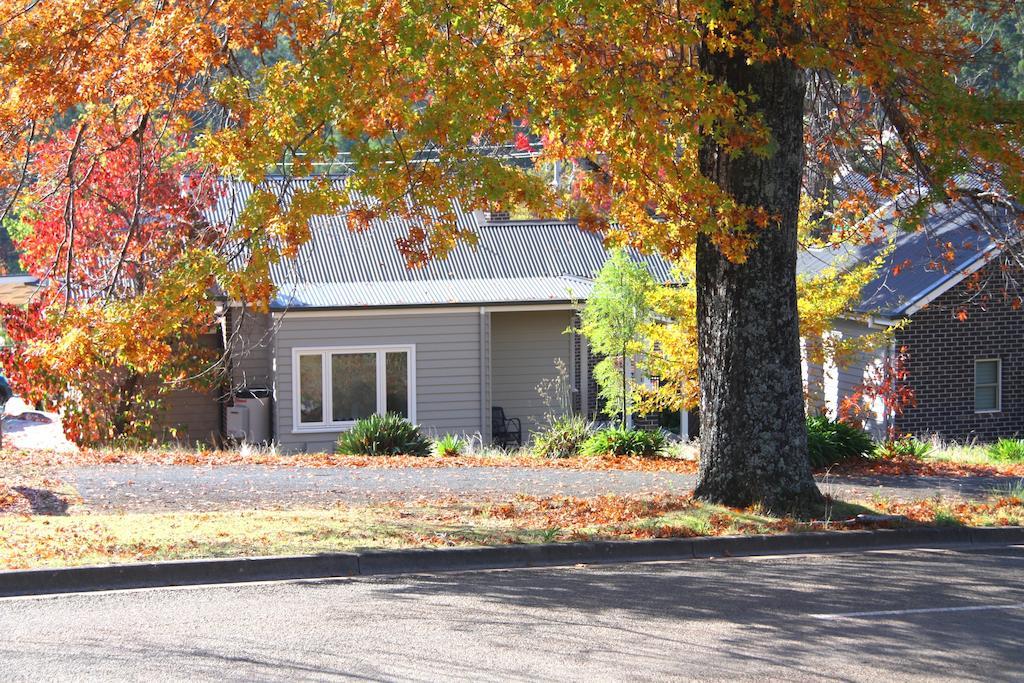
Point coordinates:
[(508, 251), (390, 294), (528, 261)]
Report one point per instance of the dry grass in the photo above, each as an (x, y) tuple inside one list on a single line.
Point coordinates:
[(41, 541), (46, 541)]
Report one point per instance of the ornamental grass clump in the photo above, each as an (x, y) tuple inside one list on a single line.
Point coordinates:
[(1007, 450), (623, 441), (830, 443), (563, 437), (903, 447), (449, 445), (388, 434)]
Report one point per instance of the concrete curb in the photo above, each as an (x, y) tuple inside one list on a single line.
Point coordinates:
[(376, 562)]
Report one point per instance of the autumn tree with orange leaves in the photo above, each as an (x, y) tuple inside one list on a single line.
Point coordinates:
[(96, 341), (687, 125)]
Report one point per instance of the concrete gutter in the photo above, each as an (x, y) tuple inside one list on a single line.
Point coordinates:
[(378, 562)]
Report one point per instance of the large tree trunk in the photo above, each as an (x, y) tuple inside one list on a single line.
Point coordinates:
[(753, 434)]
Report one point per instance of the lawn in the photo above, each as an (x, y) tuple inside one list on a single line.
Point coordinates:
[(68, 540), (938, 458), (69, 533)]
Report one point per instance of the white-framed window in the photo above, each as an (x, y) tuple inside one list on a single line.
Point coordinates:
[(335, 386), (987, 385)]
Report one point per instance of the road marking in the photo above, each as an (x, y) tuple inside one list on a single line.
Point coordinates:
[(925, 610)]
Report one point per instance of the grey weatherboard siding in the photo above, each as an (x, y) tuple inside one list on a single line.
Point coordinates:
[(526, 345), (828, 387), (448, 366)]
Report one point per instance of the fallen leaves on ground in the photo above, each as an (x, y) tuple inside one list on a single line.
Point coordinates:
[(899, 466), (32, 494), (219, 458), (91, 538), (1005, 510), (11, 500), (552, 511)]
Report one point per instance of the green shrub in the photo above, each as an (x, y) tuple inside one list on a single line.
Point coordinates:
[(563, 437), (903, 447), (625, 441), (449, 445), (831, 442), (383, 435), (946, 518), (1007, 450)]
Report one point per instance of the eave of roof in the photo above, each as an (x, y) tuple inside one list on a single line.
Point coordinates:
[(423, 293)]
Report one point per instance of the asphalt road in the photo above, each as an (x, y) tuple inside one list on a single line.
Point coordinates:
[(889, 615), (161, 487)]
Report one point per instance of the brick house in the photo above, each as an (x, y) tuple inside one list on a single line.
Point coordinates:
[(967, 374), (953, 296)]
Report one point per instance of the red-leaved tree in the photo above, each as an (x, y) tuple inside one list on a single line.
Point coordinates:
[(121, 234)]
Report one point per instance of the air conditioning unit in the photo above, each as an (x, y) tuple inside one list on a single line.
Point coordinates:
[(248, 419)]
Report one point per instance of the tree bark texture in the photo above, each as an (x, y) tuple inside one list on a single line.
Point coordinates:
[(753, 433)]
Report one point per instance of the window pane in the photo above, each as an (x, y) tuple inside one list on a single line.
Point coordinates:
[(986, 398), (986, 372), (353, 386), (311, 384), (397, 387)]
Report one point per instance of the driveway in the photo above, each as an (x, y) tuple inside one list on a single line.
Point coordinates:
[(25, 427), (160, 487), (878, 616)]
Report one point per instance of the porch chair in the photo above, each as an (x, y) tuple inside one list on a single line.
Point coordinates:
[(505, 431)]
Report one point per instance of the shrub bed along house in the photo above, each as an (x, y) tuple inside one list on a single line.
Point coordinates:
[(388, 434), (563, 437)]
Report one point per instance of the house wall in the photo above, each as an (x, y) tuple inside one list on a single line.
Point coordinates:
[(828, 385), (190, 416), (525, 347), (447, 366), (941, 350), (250, 340)]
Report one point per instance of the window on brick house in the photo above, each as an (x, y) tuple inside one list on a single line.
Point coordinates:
[(987, 389)]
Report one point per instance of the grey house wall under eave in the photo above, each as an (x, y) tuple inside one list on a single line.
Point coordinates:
[(524, 348), (448, 365), (251, 349), (828, 387)]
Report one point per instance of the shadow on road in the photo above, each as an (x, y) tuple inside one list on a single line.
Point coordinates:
[(731, 619), (42, 501), (773, 603)]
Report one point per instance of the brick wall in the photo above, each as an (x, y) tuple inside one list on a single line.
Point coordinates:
[(941, 353)]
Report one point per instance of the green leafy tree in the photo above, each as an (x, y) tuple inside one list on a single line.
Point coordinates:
[(1000, 61), (618, 309)]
